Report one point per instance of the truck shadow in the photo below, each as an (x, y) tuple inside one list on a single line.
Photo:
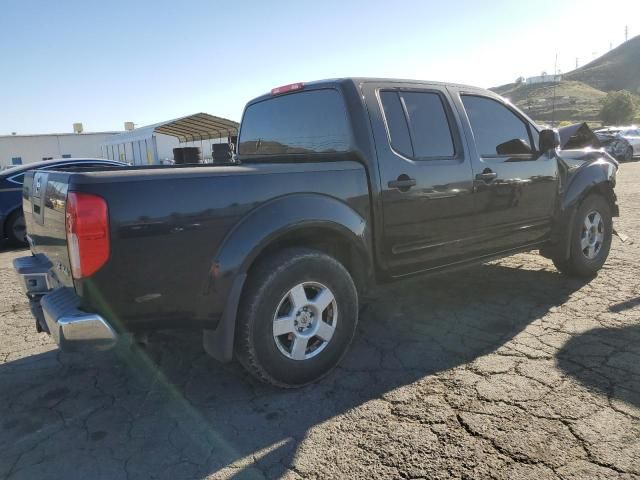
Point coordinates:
[(171, 411), (7, 246), (606, 359)]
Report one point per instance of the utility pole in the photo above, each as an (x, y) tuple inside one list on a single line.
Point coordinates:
[(553, 105), (626, 33), (576, 63)]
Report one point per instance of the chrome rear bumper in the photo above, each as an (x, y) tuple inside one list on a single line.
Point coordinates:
[(56, 310), (71, 328)]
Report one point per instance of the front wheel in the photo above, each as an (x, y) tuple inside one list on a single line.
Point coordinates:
[(590, 240), (297, 317)]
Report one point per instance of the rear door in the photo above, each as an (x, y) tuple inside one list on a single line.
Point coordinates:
[(425, 175), (515, 186)]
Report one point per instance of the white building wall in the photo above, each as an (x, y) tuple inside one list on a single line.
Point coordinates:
[(140, 152), (33, 148)]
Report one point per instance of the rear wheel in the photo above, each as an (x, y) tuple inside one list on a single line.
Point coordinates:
[(297, 317), (16, 229), (590, 238), (628, 154)]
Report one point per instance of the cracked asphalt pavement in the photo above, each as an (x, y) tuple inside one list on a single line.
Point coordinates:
[(508, 371)]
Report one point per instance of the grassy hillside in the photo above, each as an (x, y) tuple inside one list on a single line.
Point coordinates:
[(618, 69), (578, 97), (573, 100)]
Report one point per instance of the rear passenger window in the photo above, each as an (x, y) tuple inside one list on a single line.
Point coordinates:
[(496, 129), (418, 125)]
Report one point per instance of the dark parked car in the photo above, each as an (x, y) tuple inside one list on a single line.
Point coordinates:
[(621, 142), (336, 185), (12, 225)]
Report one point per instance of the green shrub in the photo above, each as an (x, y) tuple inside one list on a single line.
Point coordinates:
[(618, 108)]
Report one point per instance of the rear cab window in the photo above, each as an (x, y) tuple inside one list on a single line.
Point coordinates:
[(418, 124), (307, 122)]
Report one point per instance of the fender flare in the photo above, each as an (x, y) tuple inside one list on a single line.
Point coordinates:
[(598, 176), (259, 229)]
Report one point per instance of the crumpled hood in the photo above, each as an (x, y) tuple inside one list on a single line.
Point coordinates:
[(578, 135), (579, 157)]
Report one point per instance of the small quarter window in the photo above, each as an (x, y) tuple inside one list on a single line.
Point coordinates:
[(396, 123), (19, 179)]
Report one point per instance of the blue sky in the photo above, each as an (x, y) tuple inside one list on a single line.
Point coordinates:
[(106, 62)]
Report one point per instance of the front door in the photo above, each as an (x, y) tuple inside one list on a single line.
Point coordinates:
[(425, 175), (515, 186)]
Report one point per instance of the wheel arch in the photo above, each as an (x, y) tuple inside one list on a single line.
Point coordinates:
[(298, 220), (596, 178)]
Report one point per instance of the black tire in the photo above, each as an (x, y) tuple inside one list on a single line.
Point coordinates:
[(628, 154), (585, 262), (15, 229), (267, 292)]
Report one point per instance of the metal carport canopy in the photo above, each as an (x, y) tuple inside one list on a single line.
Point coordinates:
[(200, 126)]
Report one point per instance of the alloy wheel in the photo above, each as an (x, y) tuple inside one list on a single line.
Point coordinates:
[(305, 320), (592, 235)]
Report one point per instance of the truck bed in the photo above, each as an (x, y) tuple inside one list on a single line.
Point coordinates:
[(166, 225)]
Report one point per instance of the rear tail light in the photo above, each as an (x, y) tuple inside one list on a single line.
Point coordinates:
[(287, 88), (87, 224)]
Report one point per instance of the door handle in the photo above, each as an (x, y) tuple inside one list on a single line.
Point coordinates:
[(487, 175), (402, 183)]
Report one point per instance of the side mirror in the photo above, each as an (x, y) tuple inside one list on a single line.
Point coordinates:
[(549, 140), (517, 146)]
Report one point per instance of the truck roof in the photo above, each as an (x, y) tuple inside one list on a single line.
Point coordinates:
[(334, 82)]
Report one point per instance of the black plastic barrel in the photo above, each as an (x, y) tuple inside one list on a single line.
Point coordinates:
[(221, 153), (191, 154), (178, 155), (183, 155)]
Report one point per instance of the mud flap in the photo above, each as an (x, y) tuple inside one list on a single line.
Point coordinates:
[(219, 342), (38, 315)]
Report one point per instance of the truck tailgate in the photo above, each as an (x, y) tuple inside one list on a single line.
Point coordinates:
[(44, 197)]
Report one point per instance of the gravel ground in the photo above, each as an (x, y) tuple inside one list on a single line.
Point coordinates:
[(507, 371)]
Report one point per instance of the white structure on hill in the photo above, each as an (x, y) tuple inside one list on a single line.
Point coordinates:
[(544, 78)]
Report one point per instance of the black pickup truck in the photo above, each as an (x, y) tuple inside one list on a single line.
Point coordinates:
[(335, 185)]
